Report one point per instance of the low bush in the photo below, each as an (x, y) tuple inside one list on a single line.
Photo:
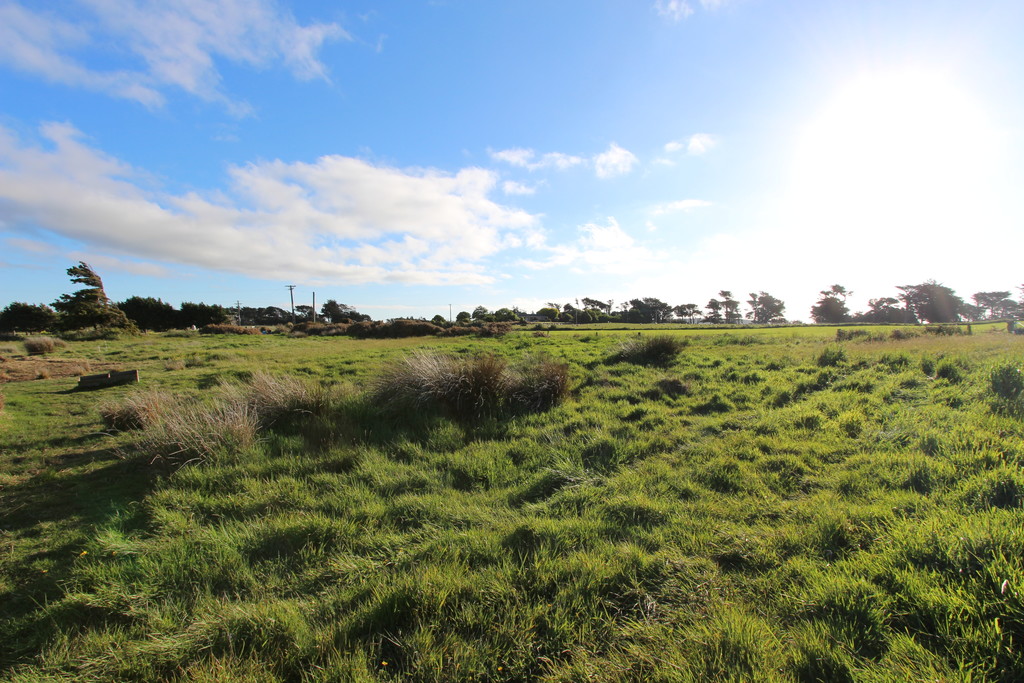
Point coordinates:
[(181, 333), (846, 335), (831, 356), (654, 350), (900, 335), (944, 330), (39, 346), (1006, 382), (228, 329)]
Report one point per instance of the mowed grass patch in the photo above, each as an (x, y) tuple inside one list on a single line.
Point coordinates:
[(743, 512)]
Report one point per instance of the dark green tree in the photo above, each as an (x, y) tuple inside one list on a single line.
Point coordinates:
[(89, 306), (648, 310), (439, 320), (730, 307), (765, 308), (463, 317), (688, 312), (201, 314), (831, 307), (22, 317), (148, 313), (884, 310), (994, 304), (932, 302), (714, 309)]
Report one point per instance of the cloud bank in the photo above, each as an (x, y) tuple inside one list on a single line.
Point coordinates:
[(337, 220)]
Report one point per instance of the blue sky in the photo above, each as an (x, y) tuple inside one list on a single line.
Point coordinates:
[(404, 156)]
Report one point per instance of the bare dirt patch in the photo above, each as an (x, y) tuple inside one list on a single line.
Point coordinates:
[(26, 368)]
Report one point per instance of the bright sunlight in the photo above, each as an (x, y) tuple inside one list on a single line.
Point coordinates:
[(896, 151)]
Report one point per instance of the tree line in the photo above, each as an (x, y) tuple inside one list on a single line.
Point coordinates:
[(89, 307)]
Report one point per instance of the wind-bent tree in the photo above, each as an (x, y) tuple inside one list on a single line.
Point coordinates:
[(89, 306), (831, 307), (597, 304), (22, 317), (932, 302), (765, 308)]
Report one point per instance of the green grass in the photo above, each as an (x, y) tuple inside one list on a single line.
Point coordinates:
[(764, 504)]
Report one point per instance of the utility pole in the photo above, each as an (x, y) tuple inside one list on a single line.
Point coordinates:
[(314, 306), (291, 291), (238, 306), (449, 314)]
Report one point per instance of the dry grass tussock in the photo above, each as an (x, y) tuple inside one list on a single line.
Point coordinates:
[(472, 387), (38, 346), (139, 410), (181, 430)]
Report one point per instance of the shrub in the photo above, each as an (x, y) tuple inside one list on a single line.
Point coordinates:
[(950, 370), (846, 335), (138, 411), (900, 334), (831, 356), (944, 330), (276, 397), (539, 385), (227, 329), (654, 350), (181, 333), (39, 346), (1007, 383)]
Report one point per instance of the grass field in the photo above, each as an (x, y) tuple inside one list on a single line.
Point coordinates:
[(733, 505)]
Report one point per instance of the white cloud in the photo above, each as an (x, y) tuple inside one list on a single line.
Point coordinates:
[(605, 249), (512, 187), (525, 158), (695, 145), (338, 219), (700, 143), (686, 205), (614, 162), (179, 44), (674, 10)]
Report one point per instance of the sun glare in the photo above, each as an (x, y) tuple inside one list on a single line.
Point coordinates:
[(895, 151)]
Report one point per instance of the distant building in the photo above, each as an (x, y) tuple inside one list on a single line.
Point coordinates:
[(531, 318)]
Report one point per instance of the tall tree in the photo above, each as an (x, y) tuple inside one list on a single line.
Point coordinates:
[(648, 310), (89, 306), (765, 308), (730, 307), (932, 302), (688, 311), (714, 309), (994, 304), (831, 306), (884, 310)]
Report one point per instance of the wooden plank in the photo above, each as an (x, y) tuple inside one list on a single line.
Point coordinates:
[(108, 379)]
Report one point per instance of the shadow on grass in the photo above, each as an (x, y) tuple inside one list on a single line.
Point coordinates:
[(59, 512)]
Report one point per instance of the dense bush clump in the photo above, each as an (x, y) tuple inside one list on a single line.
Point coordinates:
[(227, 329), (831, 356), (1007, 383), (654, 350), (39, 346)]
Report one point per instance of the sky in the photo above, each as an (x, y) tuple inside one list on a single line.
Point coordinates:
[(408, 157)]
